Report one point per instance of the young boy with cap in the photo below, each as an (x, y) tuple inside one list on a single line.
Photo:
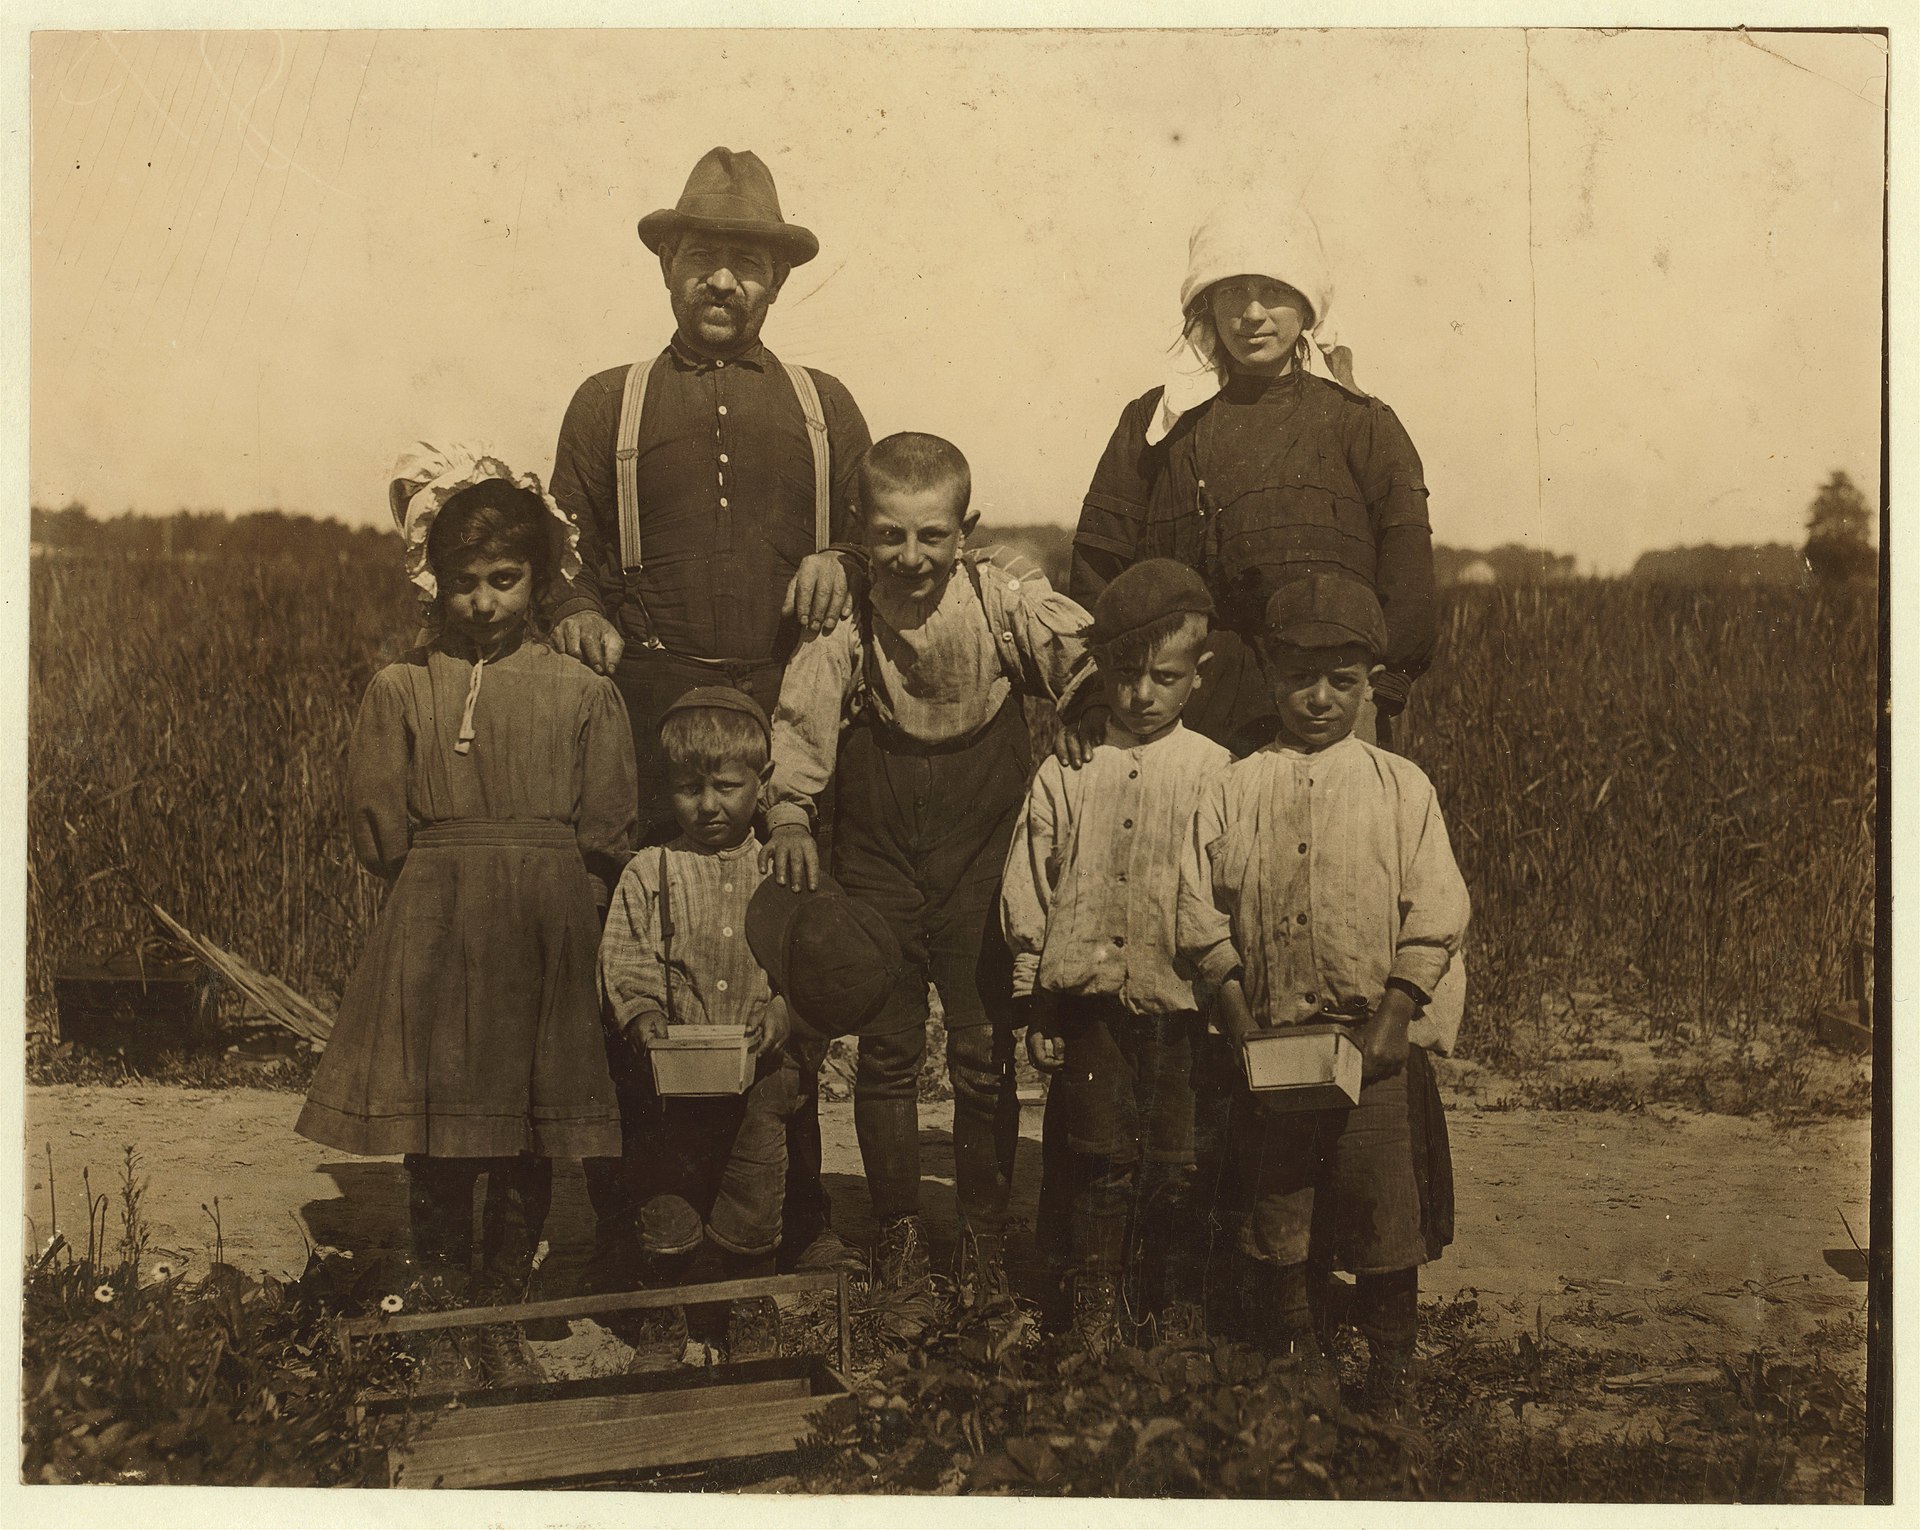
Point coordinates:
[(1088, 908), (1318, 884), (705, 1175), (913, 709)]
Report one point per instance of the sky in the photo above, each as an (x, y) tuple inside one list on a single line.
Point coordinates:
[(1623, 290)]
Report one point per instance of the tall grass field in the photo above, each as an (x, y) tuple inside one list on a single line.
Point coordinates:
[(1660, 795)]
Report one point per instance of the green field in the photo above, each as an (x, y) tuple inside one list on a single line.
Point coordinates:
[(1662, 797)]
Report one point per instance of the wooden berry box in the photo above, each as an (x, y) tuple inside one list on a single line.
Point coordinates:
[(137, 1007), (603, 1426), (701, 1061), (1304, 1067)]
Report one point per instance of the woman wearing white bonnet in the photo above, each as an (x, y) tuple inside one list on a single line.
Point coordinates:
[(1259, 458)]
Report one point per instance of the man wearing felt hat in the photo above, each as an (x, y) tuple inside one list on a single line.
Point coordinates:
[(709, 482)]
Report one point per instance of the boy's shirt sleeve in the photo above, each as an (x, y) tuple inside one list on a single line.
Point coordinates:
[(1026, 890), (814, 697), (1434, 905), (633, 975), (1045, 629), (377, 769), (1203, 931)]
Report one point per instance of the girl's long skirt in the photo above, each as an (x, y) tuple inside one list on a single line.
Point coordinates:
[(471, 1028)]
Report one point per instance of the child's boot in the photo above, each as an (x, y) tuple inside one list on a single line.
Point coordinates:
[(670, 1236), (1097, 1313), (1276, 1297), (1388, 1313), (753, 1322), (980, 1268)]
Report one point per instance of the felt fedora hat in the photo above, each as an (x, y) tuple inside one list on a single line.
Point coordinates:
[(731, 193)]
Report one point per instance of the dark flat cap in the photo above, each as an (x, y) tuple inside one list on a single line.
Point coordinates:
[(1143, 594), (1326, 611), (722, 698), (831, 957)]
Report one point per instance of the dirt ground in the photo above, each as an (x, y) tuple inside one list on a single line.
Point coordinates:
[(1671, 1235)]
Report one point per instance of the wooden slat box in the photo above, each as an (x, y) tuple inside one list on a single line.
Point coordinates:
[(701, 1061), (562, 1431), (1304, 1067)]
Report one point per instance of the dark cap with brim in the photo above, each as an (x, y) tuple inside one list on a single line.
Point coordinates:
[(1143, 594), (1326, 611), (831, 957), (731, 193)]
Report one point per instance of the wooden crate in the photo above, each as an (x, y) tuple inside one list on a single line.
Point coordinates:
[(1304, 1067), (603, 1426), (137, 1007)]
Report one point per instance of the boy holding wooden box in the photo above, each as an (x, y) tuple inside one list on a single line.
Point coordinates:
[(1319, 885)]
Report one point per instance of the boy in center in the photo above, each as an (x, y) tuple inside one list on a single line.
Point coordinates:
[(1088, 908), (915, 707)]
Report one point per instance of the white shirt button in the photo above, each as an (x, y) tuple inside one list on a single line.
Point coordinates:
[(723, 504), (719, 364), (723, 408), (721, 985), (726, 887), (726, 929), (723, 456)]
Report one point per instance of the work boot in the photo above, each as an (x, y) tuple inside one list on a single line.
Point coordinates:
[(980, 1269), (505, 1358), (1097, 1314), (753, 1329), (1181, 1324), (829, 1253), (1388, 1394), (658, 1336)]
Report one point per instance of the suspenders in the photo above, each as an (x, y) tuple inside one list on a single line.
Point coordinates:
[(633, 397)]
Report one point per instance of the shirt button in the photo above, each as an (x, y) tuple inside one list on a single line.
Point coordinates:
[(723, 504), (723, 408), (1119, 940), (1299, 918), (726, 887), (723, 456), (1303, 847), (1128, 824), (719, 363), (1133, 775), (721, 985), (726, 929), (1313, 998), (1005, 637)]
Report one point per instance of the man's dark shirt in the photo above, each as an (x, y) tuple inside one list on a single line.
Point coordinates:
[(725, 472)]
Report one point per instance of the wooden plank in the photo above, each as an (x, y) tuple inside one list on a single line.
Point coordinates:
[(534, 1453), (588, 1306), (637, 1407)]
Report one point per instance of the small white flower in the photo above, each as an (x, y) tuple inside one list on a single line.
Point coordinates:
[(103, 1294), (391, 1304), (163, 1271)]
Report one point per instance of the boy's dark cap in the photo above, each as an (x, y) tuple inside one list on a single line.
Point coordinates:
[(1145, 593), (1326, 611), (831, 957), (721, 698)]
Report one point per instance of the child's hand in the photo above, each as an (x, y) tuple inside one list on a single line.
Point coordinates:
[(1046, 1050), (1082, 736), (767, 1031), (1383, 1039), (1236, 1015), (793, 858)]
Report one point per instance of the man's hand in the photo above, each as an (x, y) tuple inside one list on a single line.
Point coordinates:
[(1236, 1015), (1046, 1050), (793, 858), (592, 639), (819, 594), (1383, 1039), (1079, 738)]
